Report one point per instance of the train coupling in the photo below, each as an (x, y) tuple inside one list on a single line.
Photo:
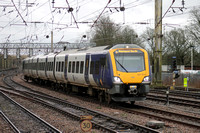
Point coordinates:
[(133, 89)]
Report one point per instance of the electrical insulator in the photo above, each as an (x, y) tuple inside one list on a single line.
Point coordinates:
[(70, 9), (122, 9), (183, 3)]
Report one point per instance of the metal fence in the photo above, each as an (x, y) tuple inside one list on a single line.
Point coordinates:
[(193, 82)]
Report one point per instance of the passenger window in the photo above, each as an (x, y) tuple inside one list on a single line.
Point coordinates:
[(69, 67), (81, 68), (73, 67), (103, 61), (77, 67), (52, 66), (56, 66), (92, 67), (97, 67), (59, 65), (62, 67)]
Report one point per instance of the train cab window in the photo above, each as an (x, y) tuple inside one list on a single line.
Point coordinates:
[(81, 68), (73, 66), (62, 66), (77, 67), (97, 67), (92, 67), (69, 67)]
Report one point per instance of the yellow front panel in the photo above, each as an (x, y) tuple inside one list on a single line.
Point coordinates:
[(130, 77)]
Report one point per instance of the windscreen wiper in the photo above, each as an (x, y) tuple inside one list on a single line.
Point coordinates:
[(121, 65)]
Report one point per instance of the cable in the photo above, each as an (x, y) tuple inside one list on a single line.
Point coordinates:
[(72, 13), (19, 13)]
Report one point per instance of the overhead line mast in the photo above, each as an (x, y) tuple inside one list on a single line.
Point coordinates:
[(158, 44)]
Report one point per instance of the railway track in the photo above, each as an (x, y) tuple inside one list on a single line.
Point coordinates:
[(187, 94), (159, 114), (100, 120), (174, 100), (164, 115), (22, 119), (156, 113), (6, 123)]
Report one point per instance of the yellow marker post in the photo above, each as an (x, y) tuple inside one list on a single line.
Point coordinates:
[(185, 83)]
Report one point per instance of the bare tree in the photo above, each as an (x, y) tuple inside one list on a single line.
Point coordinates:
[(127, 35), (194, 27), (104, 32), (194, 34), (175, 43), (148, 39)]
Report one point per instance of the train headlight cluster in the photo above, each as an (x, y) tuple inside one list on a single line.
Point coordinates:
[(146, 79), (117, 80)]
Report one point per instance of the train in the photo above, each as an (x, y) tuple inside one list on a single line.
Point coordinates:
[(119, 73)]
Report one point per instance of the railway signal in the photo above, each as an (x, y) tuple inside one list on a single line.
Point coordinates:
[(174, 64)]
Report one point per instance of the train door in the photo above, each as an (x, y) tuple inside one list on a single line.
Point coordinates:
[(102, 69), (87, 59)]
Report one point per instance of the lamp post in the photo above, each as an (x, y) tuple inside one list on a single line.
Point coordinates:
[(192, 47)]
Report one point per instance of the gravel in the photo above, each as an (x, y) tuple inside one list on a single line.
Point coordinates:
[(67, 125)]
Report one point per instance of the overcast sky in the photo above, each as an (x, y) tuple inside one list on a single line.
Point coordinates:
[(38, 15)]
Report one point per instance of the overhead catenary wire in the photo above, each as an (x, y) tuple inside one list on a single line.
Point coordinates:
[(19, 13), (72, 13), (101, 13), (61, 18)]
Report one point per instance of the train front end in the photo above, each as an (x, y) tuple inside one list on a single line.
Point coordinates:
[(131, 73)]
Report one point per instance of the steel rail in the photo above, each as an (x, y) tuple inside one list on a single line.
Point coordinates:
[(47, 125), (9, 122), (96, 114)]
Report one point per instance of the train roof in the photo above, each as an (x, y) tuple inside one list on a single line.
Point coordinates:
[(99, 48)]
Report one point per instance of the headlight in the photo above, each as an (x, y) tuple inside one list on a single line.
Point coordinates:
[(146, 79), (117, 80)]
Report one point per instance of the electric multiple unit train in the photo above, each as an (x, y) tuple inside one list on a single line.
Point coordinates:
[(120, 73)]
